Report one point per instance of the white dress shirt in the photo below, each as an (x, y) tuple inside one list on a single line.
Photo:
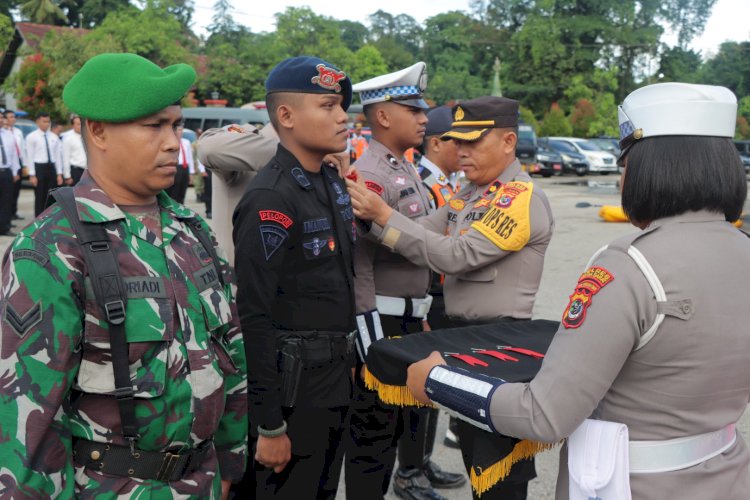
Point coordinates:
[(186, 153), (73, 153), (20, 145), (11, 156), (36, 150)]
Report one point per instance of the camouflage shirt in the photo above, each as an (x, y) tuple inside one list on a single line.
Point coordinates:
[(187, 360)]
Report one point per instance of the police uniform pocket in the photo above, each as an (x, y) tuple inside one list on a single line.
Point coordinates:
[(149, 330), (483, 274), (411, 206)]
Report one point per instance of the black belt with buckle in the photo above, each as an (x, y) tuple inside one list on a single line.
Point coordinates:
[(124, 461)]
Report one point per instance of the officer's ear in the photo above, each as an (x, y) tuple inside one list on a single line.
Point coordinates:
[(435, 143), (382, 117), (509, 140), (95, 134), (285, 116)]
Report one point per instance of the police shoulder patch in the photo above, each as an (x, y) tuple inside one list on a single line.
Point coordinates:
[(591, 281), (507, 223), (272, 237)]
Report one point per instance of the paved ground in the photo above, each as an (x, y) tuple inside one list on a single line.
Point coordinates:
[(578, 234)]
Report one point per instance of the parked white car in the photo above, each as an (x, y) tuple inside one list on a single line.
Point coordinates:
[(598, 160)]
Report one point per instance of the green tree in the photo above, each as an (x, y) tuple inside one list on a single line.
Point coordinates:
[(6, 30), (43, 12), (369, 64), (151, 33), (555, 123), (226, 75), (222, 20), (679, 65), (90, 13), (730, 67), (454, 73), (581, 117), (353, 34), (398, 38), (527, 116)]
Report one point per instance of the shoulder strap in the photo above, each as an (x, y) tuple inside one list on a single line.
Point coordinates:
[(200, 232), (106, 281), (653, 280)]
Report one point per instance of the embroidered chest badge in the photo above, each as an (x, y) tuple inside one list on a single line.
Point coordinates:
[(589, 284), (414, 208), (328, 78), (401, 181), (316, 245), (457, 204)]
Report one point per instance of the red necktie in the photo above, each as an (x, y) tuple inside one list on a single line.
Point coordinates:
[(184, 157)]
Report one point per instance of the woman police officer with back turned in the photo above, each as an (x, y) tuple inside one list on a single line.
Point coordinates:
[(655, 334)]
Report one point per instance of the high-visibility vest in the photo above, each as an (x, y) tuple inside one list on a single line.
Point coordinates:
[(359, 146)]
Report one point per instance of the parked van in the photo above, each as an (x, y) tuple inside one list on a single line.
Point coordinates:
[(206, 118)]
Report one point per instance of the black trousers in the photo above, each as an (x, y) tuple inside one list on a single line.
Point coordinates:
[(46, 177), (515, 485), (377, 430), (179, 188), (207, 186), (317, 436), (6, 199), (16, 194), (76, 173)]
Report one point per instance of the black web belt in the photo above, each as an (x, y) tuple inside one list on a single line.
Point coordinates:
[(124, 461)]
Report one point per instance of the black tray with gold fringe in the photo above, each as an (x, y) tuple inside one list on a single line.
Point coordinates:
[(491, 458)]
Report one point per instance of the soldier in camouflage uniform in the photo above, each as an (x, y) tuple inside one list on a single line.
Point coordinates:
[(60, 428)]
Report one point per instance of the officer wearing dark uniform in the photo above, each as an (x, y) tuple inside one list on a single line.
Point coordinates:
[(294, 237)]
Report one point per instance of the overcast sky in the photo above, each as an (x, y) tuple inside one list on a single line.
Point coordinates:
[(730, 19)]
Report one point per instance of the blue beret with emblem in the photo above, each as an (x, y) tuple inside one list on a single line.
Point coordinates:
[(309, 75)]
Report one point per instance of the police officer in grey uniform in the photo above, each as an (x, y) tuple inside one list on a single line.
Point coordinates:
[(655, 335), (391, 296), (234, 154), (489, 240)]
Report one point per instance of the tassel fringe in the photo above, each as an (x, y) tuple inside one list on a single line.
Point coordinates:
[(401, 396), (497, 472), (398, 395)]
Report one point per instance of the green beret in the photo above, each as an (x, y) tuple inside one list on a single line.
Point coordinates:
[(124, 87)]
